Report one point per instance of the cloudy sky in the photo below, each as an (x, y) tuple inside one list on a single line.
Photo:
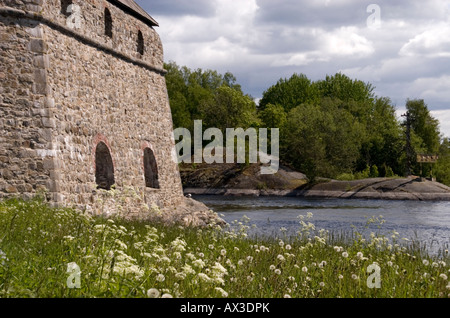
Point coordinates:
[(401, 47)]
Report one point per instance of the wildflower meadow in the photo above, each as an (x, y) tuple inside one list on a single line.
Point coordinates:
[(63, 253)]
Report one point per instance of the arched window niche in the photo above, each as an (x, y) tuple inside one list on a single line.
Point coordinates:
[(108, 23), (104, 167), (140, 43), (65, 5), (150, 169)]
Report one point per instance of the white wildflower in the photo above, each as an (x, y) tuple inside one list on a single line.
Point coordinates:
[(222, 292), (152, 293), (121, 244), (180, 275), (443, 276), (167, 296), (198, 263), (160, 278), (277, 271), (3, 258), (203, 277), (345, 254), (188, 269), (304, 269)]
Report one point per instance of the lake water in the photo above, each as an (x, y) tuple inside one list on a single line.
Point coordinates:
[(425, 222)]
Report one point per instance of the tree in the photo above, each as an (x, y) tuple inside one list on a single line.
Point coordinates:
[(424, 126), (273, 116), (442, 168), (305, 129), (344, 88), (290, 93), (229, 108), (385, 139)]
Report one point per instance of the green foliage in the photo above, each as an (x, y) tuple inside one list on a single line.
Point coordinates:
[(209, 96), (229, 108), (442, 168), (273, 116), (425, 126), (290, 93), (121, 258), (336, 127)]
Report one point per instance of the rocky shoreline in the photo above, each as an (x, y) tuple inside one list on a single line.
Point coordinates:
[(412, 188)]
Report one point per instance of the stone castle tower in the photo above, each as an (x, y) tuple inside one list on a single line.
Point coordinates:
[(84, 111)]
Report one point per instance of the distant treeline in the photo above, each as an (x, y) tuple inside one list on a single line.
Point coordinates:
[(335, 128)]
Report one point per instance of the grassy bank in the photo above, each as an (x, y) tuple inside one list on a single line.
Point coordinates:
[(41, 249)]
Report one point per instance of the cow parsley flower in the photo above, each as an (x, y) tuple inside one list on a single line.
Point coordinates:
[(222, 292), (203, 277), (3, 258)]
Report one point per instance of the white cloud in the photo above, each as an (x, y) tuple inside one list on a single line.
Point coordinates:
[(346, 41), (260, 41), (434, 42), (444, 120)]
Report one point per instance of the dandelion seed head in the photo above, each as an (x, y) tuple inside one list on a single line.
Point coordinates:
[(153, 293)]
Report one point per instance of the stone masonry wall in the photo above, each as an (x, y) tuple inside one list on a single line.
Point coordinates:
[(65, 89), (22, 104)]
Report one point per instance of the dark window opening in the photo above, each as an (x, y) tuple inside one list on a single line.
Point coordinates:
[(108, 23), (64, 6), (150, 169), (140, 43), (104, 168)]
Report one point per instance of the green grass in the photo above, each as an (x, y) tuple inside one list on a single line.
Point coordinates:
[(120, 258)]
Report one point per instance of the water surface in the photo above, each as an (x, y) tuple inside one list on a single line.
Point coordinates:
[(425, 222)]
